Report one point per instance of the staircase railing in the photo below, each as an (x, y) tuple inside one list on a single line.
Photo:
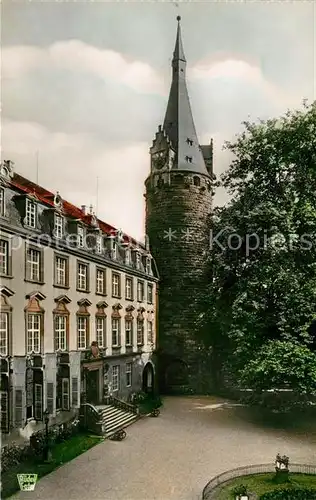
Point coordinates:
[(89, 417), (122, 405)]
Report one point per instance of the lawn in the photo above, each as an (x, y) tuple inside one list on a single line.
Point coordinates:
[(262, 483), (61, 453)]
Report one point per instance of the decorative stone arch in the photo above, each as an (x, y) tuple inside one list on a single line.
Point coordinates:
[(116, 310), (129, 313), (176, 374), (148, 378), (101, 306), (6, 317), (34, 307)]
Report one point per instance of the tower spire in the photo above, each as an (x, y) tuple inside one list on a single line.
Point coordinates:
[(178, 122), (178, 54)]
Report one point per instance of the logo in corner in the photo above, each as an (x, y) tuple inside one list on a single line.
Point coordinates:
[(27, 482)]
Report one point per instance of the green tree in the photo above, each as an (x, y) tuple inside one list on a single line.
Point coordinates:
[(258, 314)]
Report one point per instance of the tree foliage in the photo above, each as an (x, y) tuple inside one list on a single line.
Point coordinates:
[(259, 313)]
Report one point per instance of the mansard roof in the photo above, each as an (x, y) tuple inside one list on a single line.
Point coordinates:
[(48, 198), (178, 122)]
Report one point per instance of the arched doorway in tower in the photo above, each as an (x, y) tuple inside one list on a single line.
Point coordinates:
[(176, 374), (148, 379)]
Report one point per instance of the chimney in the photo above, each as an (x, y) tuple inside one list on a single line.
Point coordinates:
[(83, 208)]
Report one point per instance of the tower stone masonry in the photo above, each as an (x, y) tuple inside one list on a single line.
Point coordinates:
[(178, 209)]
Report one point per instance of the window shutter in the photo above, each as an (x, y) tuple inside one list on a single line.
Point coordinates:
[(38, 402), (18, 407), (50, 397), (65, 394), (74, 391), (4, 412)]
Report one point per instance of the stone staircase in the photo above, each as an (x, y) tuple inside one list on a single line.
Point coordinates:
[(108, 418), (114, 419)]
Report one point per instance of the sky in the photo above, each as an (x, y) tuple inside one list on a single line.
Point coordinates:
[(85, 86)]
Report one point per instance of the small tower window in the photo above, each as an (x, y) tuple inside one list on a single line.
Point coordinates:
[(160, 182), (190, 142), (188, 159), (196, 181), (178, 179)]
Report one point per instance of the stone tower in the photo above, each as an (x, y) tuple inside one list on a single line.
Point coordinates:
[(178, 207)]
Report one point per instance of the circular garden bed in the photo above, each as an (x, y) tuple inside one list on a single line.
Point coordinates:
[(264, 487)]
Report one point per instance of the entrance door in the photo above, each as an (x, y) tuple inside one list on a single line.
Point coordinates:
[(92, 387)]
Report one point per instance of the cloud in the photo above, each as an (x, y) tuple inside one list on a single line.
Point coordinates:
[(77, 56), (71, 163)]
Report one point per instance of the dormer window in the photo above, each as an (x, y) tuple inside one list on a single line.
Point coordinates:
[(128, 257), (80, 236), (30, 213), (190, 142), (188, 159), (113, 249), (2, 202), (98, 244), (148, 265), (58, 226), (137, 260)]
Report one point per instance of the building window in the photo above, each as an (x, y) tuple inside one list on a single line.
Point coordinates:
[(149, 293), (128, 332), (82, 277), (34, 394), (196, 181), (61, 271), (30, 213), (33, 265), (115, 378), (58, 226), (188, 159), (82, 332), (140, 332), (128, 258), (140, 291), (100, 331), (98, 244), (60, 333), (148, 265), (65, 394), (137, 260), (116, 285), (4, 257), (190, 142), (150, 337), (100, 281), (4, 333), (128, 372), (2, 202), (115, 332), (33, 333), (129, 288), (80, 236), (113, 249)]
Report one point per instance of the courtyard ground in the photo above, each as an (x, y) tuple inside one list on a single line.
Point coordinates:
[(173, 456)]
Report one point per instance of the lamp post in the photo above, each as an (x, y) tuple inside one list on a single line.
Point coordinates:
[(46, 447)]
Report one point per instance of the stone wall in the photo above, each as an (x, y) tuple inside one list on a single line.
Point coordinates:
[(177, 223)]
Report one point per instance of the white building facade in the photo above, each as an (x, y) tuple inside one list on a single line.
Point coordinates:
[(78, 309)]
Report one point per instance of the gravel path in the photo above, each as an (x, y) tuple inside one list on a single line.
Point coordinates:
[(172, 457)]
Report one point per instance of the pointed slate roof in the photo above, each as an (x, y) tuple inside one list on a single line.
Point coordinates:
[(178, 122)]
